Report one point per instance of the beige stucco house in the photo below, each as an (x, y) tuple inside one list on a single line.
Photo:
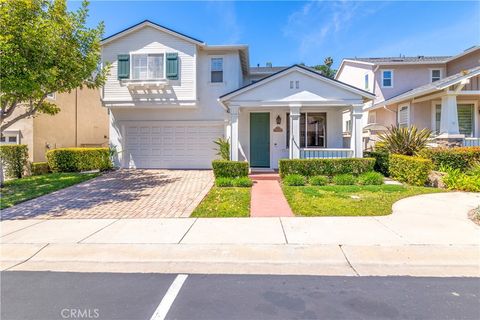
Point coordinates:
[(82, 122), (441, 93)]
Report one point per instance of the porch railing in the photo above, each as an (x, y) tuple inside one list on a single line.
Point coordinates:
[(471, 142), (320, 153)]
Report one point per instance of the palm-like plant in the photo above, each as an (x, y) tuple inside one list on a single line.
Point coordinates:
[(223, 149), (407, 141)]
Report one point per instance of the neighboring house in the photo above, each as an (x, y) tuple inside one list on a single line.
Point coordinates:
[(438, 93), (170, 96), (81, 122)]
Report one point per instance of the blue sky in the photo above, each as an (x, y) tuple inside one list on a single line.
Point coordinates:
[(291, 32)]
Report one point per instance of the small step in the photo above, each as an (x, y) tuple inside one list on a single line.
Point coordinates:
[(264, 176), (262, 170)]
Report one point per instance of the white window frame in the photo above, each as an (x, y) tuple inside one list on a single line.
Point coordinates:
[(210, 68), (366, 81), (8, 134), (52, 96), (431, 73), (392, 73), (372, 114), (433, 114), (408, 113), (476, 116), (151, 53)]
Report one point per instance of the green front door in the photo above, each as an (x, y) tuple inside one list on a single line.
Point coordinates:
[(260, 140)]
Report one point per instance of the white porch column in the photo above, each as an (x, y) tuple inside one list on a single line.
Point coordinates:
[(234, 111), (449, 116), (356, 138), (294, 152)]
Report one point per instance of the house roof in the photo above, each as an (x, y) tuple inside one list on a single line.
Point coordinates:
[(265, 70), (363, 93), (429, 88), (145, 23), (403, 59)]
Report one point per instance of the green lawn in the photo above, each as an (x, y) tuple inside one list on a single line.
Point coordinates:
[(19, 190), (349, 200), (224, 202)]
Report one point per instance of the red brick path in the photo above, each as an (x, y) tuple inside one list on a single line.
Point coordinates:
[(267, 197)]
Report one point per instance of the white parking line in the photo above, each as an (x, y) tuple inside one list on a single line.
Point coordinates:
[(167, 301)]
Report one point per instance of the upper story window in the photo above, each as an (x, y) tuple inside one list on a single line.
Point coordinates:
[(387, 78), (435, 75), (148, 66), (366, 82), (216, 70)]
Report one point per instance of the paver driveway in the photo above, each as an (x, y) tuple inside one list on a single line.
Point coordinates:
[(122, 194)]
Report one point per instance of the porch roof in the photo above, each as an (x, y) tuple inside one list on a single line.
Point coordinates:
[(349, 94), (429, 88)]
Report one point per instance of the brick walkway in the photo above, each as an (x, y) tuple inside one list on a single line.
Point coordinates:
[(267, 197), (122, 194)]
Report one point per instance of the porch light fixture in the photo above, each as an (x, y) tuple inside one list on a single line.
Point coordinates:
[(279, 119)]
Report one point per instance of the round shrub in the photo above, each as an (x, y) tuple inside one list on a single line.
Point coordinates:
[(344, 179), (294, 180), (14, 158), (78, 159), (370, 178), (318, 180), (242, 182), (223, 182)]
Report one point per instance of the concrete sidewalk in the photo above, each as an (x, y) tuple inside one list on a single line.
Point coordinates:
[(426, 235)]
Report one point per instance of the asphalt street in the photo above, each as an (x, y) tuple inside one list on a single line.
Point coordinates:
[(58, 295)]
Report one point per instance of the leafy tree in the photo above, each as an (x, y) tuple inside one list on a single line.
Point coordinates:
[(44, 48), (326, 68)]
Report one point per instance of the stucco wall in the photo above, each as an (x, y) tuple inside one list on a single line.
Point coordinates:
[(468, 61), (354, 74), (25, 126)]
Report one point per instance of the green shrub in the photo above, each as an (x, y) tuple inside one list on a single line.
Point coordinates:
[(79, 159), (455, 179), (223, 182), (462, 158), (230, 169), (381, 161), (223, 148), (345, 179), (242, 182), (325, 167), (319, 180), (14, 158), (39, 168), (294, 180), (370, 178), (412, 170)]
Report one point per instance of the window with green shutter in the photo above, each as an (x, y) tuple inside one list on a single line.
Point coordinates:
[(123, 69), (172, 66)]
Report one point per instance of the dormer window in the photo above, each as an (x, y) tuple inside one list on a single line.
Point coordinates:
[(435, 75), (148, 66)]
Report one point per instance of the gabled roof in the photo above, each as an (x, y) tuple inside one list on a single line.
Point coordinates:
[(346, 86), (429, 88), (403, 59), (265, 70), (149, 23)]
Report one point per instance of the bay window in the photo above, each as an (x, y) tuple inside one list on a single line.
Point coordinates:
[(148, 66), (313, 130)]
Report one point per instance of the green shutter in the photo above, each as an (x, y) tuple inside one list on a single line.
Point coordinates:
[(465, 119), (172, 66), (123, 70)]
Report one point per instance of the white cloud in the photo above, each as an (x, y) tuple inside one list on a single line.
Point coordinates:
[(227, 21)]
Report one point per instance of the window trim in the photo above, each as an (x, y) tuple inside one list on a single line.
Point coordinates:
[(475, 114), (408, 113), (391, 79), (374, 115), (431, 73), (210, 57), (52, 96), (305, 113), (366, 81), (164, 53), (7, 134)]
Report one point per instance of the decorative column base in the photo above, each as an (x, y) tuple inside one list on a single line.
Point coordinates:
[(450, 140)]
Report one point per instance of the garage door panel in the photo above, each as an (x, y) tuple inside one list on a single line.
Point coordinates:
[(171, 145)]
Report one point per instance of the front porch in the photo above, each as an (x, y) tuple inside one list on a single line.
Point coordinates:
[(267, 122)]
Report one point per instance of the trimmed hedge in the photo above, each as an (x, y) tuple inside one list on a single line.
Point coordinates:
[(462, 158), (14, 158), (230, 169), (79, 159), (381, 161), (322, 167), (412, 170), (39, 168)]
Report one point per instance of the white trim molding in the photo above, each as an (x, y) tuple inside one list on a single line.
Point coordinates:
[(391, 78)]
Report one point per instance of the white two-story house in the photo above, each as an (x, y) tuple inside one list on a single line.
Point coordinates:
[(170, 96), (441, 93)]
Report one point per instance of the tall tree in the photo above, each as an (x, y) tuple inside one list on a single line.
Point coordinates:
[(326, 68), (44, 48)]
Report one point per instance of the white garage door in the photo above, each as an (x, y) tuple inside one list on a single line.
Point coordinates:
[(171, 145)]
